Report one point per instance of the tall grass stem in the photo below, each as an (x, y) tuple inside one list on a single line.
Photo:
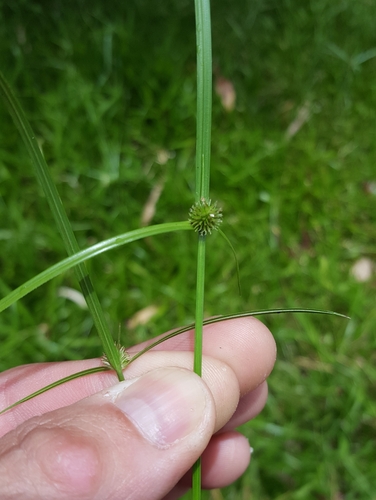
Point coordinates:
[(61, 219), (203, 145), (204, 98), (199, 314)]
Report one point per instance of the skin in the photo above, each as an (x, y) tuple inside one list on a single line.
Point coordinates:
[(94, 438)]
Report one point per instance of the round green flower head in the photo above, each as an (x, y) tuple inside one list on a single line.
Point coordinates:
[(205, 216)]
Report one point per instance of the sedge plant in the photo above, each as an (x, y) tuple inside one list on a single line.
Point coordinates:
[(204, 217)]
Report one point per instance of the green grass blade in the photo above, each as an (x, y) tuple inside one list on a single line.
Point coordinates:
[(56, 384), (44, 177), (273, 311), (89, 253), (163, 339), (40, 167), (226, 317)]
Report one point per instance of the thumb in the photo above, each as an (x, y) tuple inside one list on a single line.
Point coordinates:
[(134, 440)]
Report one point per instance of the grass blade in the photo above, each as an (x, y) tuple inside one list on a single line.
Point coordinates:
[(166, 337), (89, 253), (226, 317), (56, 384), (44, 177)]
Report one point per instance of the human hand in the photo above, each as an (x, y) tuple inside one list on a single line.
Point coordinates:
[(97, 439)]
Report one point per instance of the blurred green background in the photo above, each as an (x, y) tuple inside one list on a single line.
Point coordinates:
[(109, 88)]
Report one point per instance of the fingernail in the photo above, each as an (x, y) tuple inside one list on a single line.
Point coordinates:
[(165, 405)]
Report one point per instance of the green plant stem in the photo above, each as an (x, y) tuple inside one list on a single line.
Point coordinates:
[(203, 145), (197, 358), (45, 179), (204, 98), (199, 315)]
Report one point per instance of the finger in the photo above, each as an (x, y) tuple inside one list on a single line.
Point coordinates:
[(221, 379), (249, 407), (134, 440), (245, 344), (224, 460), (222, 340)]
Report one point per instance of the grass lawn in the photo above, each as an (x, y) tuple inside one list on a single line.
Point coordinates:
[(109, 88)]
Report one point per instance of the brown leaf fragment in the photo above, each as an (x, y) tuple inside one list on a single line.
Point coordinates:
[(148, 211), (226, 92), (301, 118), (142, 317)]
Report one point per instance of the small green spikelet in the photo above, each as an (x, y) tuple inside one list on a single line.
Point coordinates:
[(123, 355), (205, 216)]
